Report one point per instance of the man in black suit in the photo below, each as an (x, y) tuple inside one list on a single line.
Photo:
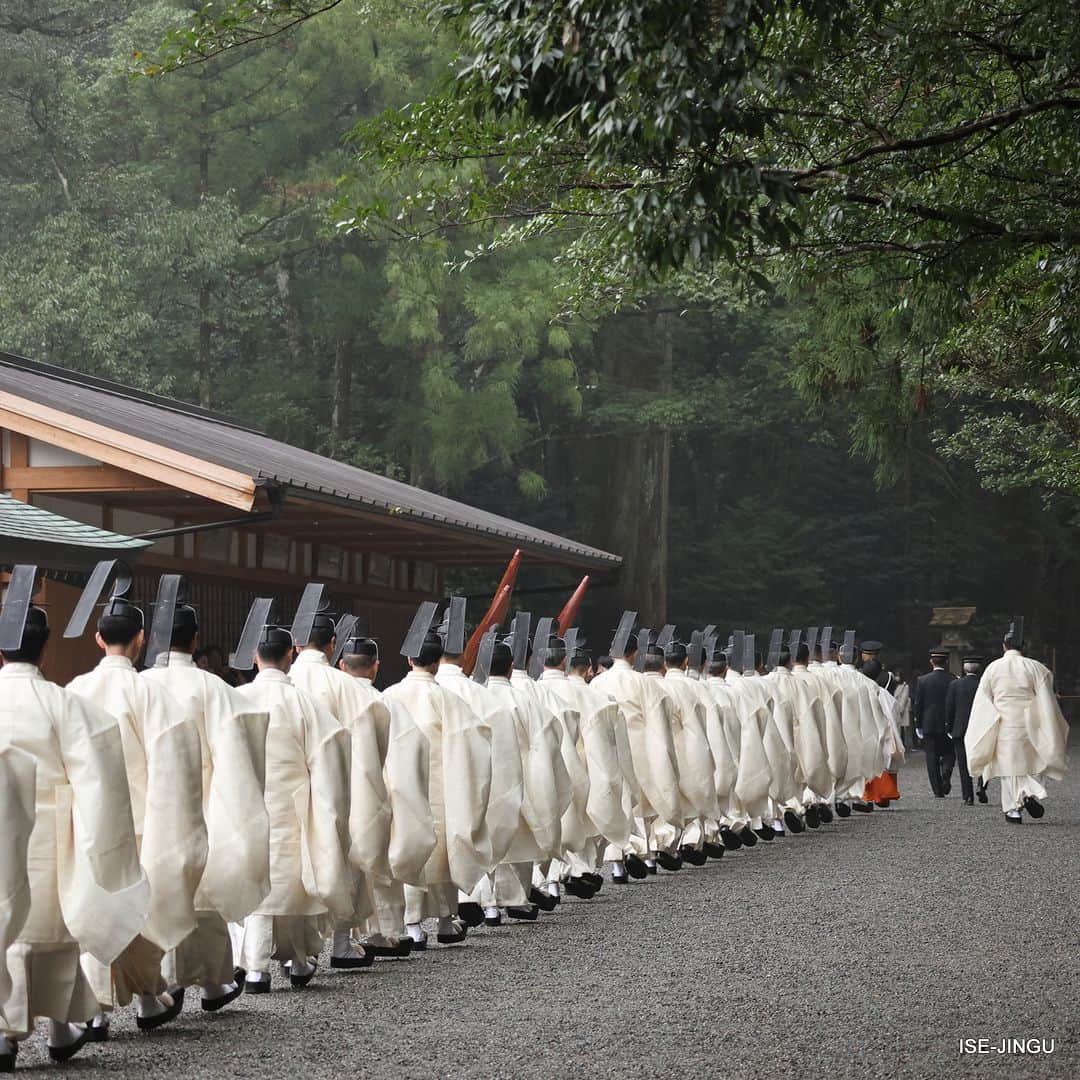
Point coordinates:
[(931, 724), (958, 703)]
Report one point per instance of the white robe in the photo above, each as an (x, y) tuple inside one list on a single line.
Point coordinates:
[(232, 733), (390, 825), (697, 766), (307, 800), (507, 781), (808, 734), (163, 760), (1016, 728), (646, 711), (577, 830), (830, 699), (459, 780), (754, 775), (724, 741), (17, 788), (607, 810), (546, 790), (857, 724), (86, 885)]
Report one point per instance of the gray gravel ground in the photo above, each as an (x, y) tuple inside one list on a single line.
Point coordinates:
[(866, 949)]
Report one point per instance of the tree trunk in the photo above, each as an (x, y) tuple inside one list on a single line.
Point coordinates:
[(342, 390), (639, 466)]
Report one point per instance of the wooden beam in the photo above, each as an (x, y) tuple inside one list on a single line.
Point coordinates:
[(19, 446), (79, 478), (93, 440)]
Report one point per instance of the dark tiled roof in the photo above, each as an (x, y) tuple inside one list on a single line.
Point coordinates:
[(217, 439), (30, 534)]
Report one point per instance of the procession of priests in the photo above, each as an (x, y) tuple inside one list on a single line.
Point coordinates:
[(168, 836)]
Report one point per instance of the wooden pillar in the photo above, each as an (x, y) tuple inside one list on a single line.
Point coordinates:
[(20, 459)]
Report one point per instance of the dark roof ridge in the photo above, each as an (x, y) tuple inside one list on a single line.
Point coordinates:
[(107, 386)]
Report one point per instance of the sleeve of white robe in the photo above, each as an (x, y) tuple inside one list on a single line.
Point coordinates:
[(467, 785), (326, 831), (507, 782), (237, 875), (546, 787), (754, 776), (606, 806), (174, 843), (412, 827), (697, 780), (1047, 728), (835, 744), (370, 811), (724, 767), (17, 798), (104, 894), (660, 778), (565, 725)]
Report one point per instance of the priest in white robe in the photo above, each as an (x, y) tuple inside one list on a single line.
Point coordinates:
[(495, 890), (1016, 731), (697, 765), (87, 889), (546, 793), (606, 813), (459, 781), (829, 698), (390, 823), (163, 759), (18, 784), (307, 799), (735, 827), (647, 714), (236, 878)]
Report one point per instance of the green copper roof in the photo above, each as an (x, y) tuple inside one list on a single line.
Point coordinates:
[(29, 534)]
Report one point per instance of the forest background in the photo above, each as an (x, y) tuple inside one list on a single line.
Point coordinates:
[(779, 415)]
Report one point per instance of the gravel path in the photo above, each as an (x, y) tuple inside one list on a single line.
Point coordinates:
[(866, 949)]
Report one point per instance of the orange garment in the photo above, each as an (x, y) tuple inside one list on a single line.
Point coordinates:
[(882, 788)]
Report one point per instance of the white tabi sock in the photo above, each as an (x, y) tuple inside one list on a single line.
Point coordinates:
[(300, 968), (257, 976), (415, 931), (777, 825), (149, 1005), (552, 888), (491, 913), (212, 991), (343, 945), (618, 869), (650, 862), (61, 1034)]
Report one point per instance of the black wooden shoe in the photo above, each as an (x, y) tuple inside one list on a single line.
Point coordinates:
[(693, 856), (7, 1061), (843, 809), (456, 938), (351, 963), (214, 1004), (671, 863), (493, 920), (402, 949), (148, 1023), (793, 822), (523, 914), (635, 866), (580, 888), (730, 838), (300, 981), (99, 1032), (747, 837), (812, 818), (543, 900), (824, 813), (595, 880), (257, 986), (764, 833), (66, 1053), (1034, 808), (471, 914), (713, 851)]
